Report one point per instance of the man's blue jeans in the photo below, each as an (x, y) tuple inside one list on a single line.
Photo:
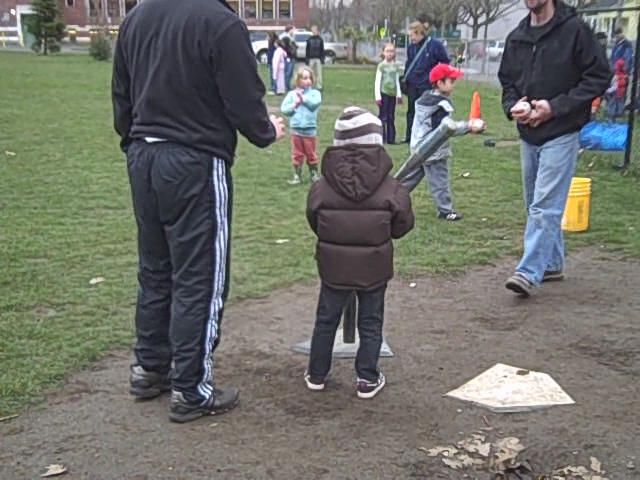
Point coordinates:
[(547, 171)]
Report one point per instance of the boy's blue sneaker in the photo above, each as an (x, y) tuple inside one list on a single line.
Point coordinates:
[(367, 389)]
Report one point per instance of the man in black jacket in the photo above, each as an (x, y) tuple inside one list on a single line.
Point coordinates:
[(551, 71), (184, 82), (315, 55)]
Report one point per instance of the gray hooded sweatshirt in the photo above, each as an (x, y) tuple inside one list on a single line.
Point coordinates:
[(431, 109)]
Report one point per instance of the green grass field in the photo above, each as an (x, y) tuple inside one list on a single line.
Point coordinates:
[(65, 214)]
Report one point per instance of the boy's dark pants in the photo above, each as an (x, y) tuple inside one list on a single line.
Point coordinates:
[(370, 320), (388, 118)]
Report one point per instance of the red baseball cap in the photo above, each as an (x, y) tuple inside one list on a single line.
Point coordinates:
[(443, 71)]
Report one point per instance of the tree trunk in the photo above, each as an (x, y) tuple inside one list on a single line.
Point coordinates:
[(45, 43), (475, 29), (485, 44)]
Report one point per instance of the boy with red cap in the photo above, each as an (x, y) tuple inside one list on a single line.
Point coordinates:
[(431, 109)]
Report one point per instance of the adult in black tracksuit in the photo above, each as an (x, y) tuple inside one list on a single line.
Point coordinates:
[(552, 60), (185, 81)]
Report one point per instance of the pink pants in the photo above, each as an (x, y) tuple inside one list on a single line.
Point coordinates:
[(304, 147)]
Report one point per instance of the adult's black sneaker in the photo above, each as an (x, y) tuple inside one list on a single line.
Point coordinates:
[(223, 400)]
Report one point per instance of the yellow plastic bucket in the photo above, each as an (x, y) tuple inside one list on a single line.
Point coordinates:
[(576, 213)]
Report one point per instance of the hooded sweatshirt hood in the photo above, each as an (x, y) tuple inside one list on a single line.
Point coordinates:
[(356, 171), (562, 13)]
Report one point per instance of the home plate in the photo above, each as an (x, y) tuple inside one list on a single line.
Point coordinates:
[(507, 389), (341, 349)]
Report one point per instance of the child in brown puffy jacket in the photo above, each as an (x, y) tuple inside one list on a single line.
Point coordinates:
[(355, 210)]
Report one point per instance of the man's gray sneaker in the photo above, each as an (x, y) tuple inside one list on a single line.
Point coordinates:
[(222, 401), (520, 285), (146, 385), (553, 276)]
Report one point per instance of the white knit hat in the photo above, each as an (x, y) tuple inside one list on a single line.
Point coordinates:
[(356, 125)]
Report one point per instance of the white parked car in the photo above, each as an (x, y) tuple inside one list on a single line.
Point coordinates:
[(332, 50), (495, 49)]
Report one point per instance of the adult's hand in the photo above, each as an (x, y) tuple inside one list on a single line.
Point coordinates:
[(278, 124), (521, 116), (541, 113)]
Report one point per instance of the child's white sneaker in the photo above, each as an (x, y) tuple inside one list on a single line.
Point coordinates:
[(313, 383), (367, 389)]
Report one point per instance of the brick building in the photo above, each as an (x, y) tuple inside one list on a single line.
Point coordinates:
[(81, 16)]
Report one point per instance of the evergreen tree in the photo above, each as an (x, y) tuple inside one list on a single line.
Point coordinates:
[(46, 26)]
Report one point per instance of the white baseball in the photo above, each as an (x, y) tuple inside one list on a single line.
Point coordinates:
[(522, 107), (477, 124)]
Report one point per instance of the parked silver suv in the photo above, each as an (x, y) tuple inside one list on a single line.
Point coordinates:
[(332, 50)]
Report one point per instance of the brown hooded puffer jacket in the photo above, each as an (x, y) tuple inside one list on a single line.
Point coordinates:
[(356, 209)]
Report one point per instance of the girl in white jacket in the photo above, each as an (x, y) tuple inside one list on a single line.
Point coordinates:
[(278, 63)]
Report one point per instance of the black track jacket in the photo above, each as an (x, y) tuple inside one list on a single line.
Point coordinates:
[(560, 62), (184, 71)]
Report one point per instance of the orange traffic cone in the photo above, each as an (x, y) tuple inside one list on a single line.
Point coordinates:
[(474, 113)]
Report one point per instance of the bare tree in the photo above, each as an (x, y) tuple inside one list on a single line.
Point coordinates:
[(330, 15), (482, 13), (438, 13)]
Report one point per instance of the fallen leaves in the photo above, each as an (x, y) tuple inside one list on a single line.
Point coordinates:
[(54, 471), (503, 459)]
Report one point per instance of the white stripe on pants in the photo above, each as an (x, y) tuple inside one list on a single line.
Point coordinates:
[(220, 249)]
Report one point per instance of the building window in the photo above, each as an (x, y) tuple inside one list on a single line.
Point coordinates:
[(70, 3), (250, 8), (113, 9), (267, 9), (235, 4), (94, 8), (284, 9)]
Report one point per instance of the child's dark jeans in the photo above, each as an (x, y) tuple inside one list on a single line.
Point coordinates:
[(370, 319), (387, 116)]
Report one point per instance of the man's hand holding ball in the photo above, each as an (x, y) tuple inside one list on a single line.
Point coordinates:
[(521, 111), (278, 124)]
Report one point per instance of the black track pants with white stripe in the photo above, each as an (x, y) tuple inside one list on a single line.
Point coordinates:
[(182, 204)]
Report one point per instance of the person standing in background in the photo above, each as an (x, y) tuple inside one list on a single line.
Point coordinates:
[(315, 55), (387, 92), (271, 48), (423, 54), (291, 49), (622, 50)]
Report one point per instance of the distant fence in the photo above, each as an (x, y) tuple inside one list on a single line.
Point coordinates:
[(479, 58), (605, 21)]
